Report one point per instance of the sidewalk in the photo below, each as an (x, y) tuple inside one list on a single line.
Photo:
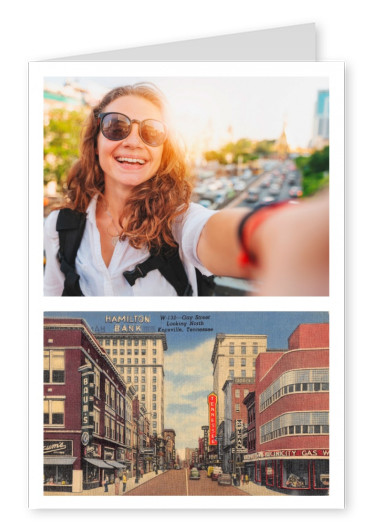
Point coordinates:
[(257, 490), (131, 484)]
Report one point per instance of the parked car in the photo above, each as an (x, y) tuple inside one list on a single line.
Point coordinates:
[(224, 479), (217, 471), (195, 474)]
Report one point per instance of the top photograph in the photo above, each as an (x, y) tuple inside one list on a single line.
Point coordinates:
[(186, 186)]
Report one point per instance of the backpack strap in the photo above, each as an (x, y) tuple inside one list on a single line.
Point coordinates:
[(169, 264), (70, 225)]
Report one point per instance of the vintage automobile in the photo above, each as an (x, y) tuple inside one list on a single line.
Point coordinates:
[(224, 479), (194, 474), (216, 472)]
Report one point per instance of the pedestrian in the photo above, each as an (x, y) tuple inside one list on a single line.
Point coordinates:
[(117, 485), (246, 479), (105, 483), (242, 479), (141, 234), (124, 478)]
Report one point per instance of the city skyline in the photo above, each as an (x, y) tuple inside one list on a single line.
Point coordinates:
[(191, 346), (210, 112)]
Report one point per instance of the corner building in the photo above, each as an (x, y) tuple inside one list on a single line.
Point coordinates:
[(86, 410), (288, 415), (139, 358)]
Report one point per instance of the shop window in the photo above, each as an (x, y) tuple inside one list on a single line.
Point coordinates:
[(321, 474), (295, 474), (269, 473), (57, 475), (54, 366)]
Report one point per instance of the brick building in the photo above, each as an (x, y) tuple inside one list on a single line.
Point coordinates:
[(288, 415), (85, 408)]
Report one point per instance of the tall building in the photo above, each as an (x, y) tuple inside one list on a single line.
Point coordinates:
[(320, 136), (235, 391), (139, 358), (234, 356), (288, 415)]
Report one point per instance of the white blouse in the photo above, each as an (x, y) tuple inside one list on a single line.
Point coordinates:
[(98, 279)]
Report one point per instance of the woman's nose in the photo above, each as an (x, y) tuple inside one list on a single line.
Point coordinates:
[(134, 136)]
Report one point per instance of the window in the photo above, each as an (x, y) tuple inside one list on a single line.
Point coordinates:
[(154, 406), (129, 379), (122, 361), (54, 366), (142, 370), (114, 341), (143, 342), (143, 397), (154, 370), (107, 341), (243, 362), (142, 389), (154, 379), (232, 348), (136, 370), (244, 374), (143, 352), (136, 361), (154, 360), (122, 352), (154, 341), (108, 351), (129, 370), (243, 348), (96, 421), (154, 388), (231, 374), (107, 391), (231, 362), (143, 361), (54, 412), (136, 342), (237, 408), (154, 398), (154, 351), (136, 379), (122, 342), (129, 342), (97, 379), (115, 361), (237, 393), (245, 392), (143, 379), (114, 351), (154, 424), (254, 348), (112, 402)]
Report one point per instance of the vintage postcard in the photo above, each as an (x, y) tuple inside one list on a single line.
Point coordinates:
[(163, 182), (208, 404)]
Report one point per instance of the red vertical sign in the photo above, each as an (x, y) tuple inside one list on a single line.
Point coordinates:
[(212, 402)]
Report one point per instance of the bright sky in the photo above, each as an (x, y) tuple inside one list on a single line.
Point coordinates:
[(188, 367), (203, 109)]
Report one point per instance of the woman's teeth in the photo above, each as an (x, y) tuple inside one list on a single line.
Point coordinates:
[(130, 161)]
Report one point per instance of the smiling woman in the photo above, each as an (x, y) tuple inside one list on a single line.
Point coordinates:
[(127, 226)]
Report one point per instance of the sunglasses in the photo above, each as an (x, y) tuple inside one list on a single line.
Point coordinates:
[(117, 126)]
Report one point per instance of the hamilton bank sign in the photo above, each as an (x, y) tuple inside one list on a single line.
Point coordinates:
[(127, 323)]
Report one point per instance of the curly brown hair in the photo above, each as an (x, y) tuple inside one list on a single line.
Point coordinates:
[(152, 206)]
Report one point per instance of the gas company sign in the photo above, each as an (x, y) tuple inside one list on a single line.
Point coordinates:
[(288, 454), (212, 404)]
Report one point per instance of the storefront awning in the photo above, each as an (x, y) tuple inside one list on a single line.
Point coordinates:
[(98, 462), (59, 460), (115, 464)]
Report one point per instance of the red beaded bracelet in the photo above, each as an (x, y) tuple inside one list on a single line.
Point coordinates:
[(249, 224)]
